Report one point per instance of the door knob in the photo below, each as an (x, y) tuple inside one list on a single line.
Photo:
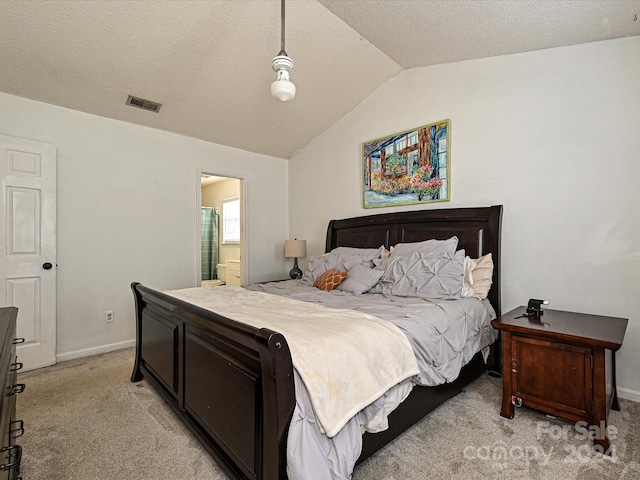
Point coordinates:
[(47, 266)]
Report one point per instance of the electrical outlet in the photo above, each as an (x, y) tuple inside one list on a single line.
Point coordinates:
[(108, 316)]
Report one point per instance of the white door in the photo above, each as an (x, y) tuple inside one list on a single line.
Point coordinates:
[(28, 245)]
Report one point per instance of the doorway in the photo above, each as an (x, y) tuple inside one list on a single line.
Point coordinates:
[(221, 229)]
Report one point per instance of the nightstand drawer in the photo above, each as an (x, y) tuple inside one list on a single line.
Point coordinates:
[(552, 376)]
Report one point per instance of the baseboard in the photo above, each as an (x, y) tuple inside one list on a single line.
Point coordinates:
[(88, 352), (629, 394)]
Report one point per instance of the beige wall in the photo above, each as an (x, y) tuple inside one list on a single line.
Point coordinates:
[(552, 135)]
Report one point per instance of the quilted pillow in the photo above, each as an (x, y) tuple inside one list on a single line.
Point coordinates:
[(431, 275), (428, 246), (330, 280), (331, 261), (360, 280)]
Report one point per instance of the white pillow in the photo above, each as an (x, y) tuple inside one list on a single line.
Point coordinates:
[(478, 276), (482, 276), (467, 284)]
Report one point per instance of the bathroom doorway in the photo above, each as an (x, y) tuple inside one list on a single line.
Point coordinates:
[(221, 231)]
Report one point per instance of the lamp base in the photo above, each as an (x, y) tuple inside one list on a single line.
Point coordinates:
[(295, 272)]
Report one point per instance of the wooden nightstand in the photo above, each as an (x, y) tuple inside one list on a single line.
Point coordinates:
[(561, 363)]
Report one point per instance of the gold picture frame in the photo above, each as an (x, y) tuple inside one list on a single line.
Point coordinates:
[(408, 167)]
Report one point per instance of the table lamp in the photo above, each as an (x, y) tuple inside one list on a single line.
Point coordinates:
[(294, 249)]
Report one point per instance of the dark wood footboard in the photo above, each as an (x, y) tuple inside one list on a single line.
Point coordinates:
[(231, 384)]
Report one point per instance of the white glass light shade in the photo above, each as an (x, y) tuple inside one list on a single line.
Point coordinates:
[(295, 248), (282, 89)]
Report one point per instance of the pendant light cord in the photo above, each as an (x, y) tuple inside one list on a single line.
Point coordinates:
[(282, 52)]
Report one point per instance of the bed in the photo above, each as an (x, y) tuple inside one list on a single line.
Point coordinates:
[(233, 383)]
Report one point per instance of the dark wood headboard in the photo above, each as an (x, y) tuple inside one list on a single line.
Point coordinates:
[(478, 231)]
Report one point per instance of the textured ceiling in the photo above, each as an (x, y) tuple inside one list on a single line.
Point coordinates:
[(209, 62), (429, 32)]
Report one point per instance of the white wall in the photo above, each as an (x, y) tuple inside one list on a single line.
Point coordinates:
[(553, 135), (127, 210)]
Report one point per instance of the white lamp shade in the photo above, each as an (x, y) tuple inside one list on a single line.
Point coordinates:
[(295, 248), (283, 90)]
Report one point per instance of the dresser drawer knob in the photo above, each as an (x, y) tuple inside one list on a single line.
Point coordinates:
[(15, 389), (16, 366), (17, 341), (16, 429)]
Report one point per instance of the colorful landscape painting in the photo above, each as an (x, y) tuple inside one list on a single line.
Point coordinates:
[(408, 167)]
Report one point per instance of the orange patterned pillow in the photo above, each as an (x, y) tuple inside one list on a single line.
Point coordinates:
[(330, 280)]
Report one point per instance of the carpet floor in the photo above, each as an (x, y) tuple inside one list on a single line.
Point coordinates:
[(84, 420)]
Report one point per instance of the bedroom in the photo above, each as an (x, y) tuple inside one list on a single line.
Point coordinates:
[(551, 135)]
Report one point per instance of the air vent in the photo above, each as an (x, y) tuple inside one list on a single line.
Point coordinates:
[(144, 104)]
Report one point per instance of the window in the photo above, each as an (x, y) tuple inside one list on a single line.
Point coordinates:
[(231, 220)]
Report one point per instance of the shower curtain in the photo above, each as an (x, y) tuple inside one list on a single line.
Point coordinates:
[(209, 242)]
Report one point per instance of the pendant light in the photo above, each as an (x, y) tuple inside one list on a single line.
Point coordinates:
[(282, 89)]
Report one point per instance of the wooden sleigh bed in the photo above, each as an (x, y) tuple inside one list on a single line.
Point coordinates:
[(196, 358)]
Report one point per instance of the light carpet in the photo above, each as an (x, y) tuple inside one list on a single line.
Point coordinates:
[(85, 420)]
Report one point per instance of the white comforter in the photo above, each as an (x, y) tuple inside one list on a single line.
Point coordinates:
[(322, 341)]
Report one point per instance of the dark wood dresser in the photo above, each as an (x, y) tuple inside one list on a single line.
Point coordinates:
[(563, 364), (10, 428)]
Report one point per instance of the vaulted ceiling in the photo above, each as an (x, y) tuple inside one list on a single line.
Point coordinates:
[(209, 62)]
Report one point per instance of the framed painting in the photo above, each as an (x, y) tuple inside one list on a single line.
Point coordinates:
[(408, 167)]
